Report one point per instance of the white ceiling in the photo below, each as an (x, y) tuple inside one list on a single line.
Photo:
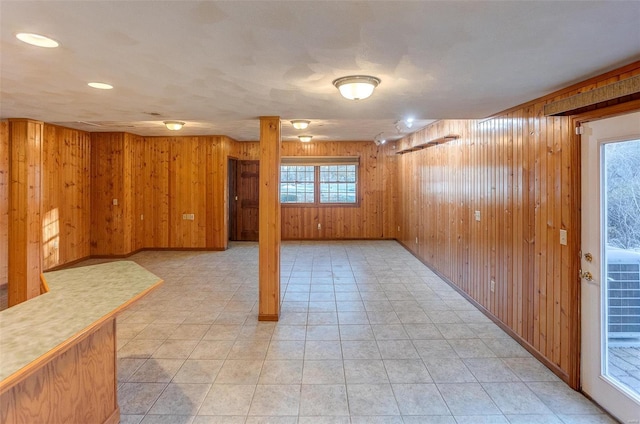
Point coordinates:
[(220, 65)]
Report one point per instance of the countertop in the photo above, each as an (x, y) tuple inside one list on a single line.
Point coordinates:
[(78, 299)]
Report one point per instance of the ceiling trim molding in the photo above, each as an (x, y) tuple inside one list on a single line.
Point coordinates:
[(616, 90)]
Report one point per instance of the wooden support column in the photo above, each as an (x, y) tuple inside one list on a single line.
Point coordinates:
[(25, 232), (269, 221)]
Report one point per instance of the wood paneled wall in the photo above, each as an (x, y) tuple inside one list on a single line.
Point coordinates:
[(111, 220), (66, 196), (25, 194), (515, 170), (373, 218), (158, 180), (4, 202), (520, 170)]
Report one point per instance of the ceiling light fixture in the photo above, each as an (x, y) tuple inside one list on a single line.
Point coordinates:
[(100, 85), (305, 138), (37, 40), (300, 124), (174, 125), (356, 87), (408, 122), (379, 139)]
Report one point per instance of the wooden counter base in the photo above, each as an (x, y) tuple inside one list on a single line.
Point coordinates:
[(78, 385), (58, 351)]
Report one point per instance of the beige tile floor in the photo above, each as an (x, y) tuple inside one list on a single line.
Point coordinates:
[(367, 335)]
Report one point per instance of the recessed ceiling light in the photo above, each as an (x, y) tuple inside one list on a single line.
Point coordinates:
[(37, 40), (174, 125), (305, 138), (100, 85), (300, 124)]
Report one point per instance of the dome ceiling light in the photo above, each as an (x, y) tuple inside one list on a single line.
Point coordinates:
[(305, 138), (300, 124), (174, 125), (356, 87), (37, 40), (100, 85)]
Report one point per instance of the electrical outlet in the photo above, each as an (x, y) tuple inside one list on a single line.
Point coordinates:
[(493, 286), (191, 217), (476, 214), (55, 243), (141, 217), (398, 228), (563, 237), (416, 240), (115, 202), (319, 226)]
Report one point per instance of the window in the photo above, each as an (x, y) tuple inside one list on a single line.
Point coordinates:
[(319, 180)]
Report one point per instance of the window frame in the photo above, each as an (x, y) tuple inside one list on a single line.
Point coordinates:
[(317, 162)]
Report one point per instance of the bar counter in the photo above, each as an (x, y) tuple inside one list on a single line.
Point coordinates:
[(58, 350)]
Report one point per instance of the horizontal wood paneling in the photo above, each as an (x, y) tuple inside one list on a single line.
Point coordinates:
[(4, 202), (520, 170), (373, 218), (66, 195)]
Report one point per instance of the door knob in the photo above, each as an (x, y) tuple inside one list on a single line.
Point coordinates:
[(588, 257)]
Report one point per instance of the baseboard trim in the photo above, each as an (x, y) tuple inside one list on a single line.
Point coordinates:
[(563, 375), (268, 317)]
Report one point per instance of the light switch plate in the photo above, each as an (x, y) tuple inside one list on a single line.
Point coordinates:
[(563, 237)]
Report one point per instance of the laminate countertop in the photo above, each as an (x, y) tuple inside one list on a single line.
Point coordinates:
[(79, 299)]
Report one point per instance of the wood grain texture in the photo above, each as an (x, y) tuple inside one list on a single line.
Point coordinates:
[(110, 181), (25, 155), (66, 196), (520, 170), (77, 385), (4, 202), (372, 218), (269, 220)]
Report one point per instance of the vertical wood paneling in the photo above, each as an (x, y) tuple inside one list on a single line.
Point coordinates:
[(66, 195), (520, 169), (4, 202), (108, 182), (511, 169), (25, 179), (365, 221), (157, 180), (270, 221)]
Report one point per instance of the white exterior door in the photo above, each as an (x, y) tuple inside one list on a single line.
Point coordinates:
[(610, 358)]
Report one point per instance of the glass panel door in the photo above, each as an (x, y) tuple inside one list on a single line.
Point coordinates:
[(621, 207), (610, 265)]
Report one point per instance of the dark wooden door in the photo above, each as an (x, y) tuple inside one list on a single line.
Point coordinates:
[(233, 195), (247, 177)]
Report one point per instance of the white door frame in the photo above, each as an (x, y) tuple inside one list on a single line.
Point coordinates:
[(600, 387)]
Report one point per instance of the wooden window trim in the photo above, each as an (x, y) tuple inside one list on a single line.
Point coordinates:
[(316, 162)]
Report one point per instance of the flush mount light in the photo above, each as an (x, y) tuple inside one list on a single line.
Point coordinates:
[(100, 85), (174, 125), (356, 87), (408, 122), (37, 40), (305, 138), (300, 124)]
